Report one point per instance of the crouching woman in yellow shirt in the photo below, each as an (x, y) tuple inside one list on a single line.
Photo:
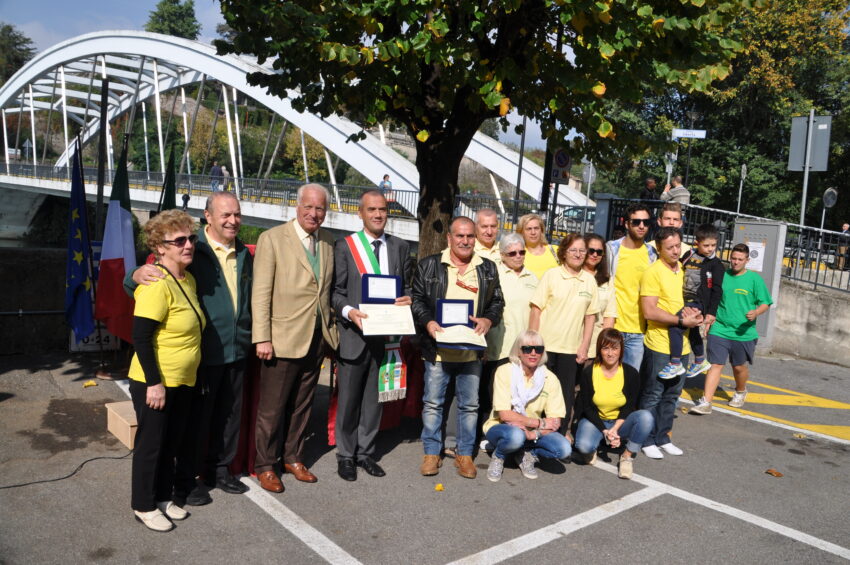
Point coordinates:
[(167, 326)]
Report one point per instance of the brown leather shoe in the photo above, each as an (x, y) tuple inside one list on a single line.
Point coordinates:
[(430, 465), (465, 466), (269, 481), (301, 472)]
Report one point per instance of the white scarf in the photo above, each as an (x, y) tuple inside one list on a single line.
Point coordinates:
[(522, 395)]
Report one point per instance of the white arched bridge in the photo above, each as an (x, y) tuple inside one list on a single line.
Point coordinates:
[(63, 83)]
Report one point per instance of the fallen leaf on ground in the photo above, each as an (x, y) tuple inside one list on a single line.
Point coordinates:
[(800, 436), (439, 487), (87, 384), (773, 473)]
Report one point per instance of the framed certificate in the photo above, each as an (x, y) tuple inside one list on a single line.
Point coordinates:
[(454, 312), (380, 289)]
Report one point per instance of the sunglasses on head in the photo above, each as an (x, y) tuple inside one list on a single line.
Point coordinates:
[(181, 241), (521, 253), (538, 349), (592, 251), (639, 221)]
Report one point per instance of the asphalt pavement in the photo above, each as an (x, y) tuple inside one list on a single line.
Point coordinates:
[(715, 504)]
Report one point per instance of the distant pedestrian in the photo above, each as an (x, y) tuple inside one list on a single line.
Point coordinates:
[(226, 176), (676, 192), (386, 188), (650, 190), (843, 247), (215, 176)]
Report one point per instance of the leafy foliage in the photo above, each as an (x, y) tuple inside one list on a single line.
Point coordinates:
[(15, 50)]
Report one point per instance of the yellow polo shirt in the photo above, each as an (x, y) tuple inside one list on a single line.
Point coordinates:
[(660, 281), (227, 258), (607, 309), (564, 300), (455, 292), (517, 289), (631, 264), (550, 401), (491, 253), (539, 264)]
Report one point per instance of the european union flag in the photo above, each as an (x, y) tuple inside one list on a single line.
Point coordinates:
[(78, 282)]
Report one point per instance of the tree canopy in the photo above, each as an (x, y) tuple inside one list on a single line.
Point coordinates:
[(15, 50), (441, 69), (171, 17)]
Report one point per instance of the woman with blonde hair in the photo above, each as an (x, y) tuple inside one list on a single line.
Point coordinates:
[(540, 256), (167, 326)]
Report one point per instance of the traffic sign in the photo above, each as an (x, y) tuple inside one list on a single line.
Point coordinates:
[(561, 164), (689, 133)]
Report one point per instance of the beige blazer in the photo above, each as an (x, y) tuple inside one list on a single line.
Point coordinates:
[(285, 294)]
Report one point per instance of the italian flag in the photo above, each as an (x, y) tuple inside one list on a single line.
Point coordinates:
[(118, 257)]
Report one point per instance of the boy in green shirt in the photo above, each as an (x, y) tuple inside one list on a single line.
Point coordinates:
[(733, 335)]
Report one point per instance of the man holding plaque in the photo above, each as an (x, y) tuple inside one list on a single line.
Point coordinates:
[(451, 290), (363, 359)]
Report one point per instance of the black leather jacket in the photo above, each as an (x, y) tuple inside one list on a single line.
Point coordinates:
[(429, 285)]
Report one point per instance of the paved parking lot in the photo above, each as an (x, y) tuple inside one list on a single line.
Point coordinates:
[(715, 504)]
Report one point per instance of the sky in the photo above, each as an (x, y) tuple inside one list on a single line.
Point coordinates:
[(48, 22)]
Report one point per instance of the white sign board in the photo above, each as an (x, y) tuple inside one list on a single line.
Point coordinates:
[(561, 164), (689, 133), (92, 342), (757, 251)]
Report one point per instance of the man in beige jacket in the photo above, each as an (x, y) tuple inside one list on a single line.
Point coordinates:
[(293, 328)]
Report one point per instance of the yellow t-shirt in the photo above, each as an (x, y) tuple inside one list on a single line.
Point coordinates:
[(607, 309), (631, 264), (564, 300), (608, 394), (539, 264), (660, 281), (177, 341), (517, 290), (550, 401), (491, 253), (227, 259), (455, 292)]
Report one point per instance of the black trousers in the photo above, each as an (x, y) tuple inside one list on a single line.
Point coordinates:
[(159, 438), (565, 368), (212, 433), (358, 414)]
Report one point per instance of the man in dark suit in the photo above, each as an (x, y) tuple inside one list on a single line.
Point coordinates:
[(358, 410)]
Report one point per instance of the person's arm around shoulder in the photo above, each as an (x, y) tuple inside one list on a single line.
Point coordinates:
[(261, 296)]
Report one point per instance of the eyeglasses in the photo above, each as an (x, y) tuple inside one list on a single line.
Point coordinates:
[(639, 221), (575, 251), (181, 241), (465, 286), (538, 349), (592, 251), (521, 253)]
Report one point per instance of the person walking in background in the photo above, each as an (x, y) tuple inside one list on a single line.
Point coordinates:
[(844, 247), (215, 176), (225, 174), (649, 192), (540, 256), (676, 192)]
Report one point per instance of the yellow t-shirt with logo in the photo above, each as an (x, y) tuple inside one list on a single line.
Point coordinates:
[(608, 394), (177, 340), (549, 403), (660, 281), (564, 300), (631, 265), (517, 290)]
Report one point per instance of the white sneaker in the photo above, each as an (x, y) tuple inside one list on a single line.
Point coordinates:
[(525, 461), (154, 520), (738, 399), (172, 510), (671, 449), (701, 407), (652, 452), (625, 468)]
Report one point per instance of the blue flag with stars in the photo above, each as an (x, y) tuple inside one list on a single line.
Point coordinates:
[(78, 282)]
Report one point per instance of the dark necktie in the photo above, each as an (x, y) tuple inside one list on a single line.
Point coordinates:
[(376, 245)]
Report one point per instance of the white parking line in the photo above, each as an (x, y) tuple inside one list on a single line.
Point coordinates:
[(545, 535), (791, 533)]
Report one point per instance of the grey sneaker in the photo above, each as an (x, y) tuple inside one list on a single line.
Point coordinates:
[(738, 399), (702, 406), (526, 461), (625, 468), (494, 470)]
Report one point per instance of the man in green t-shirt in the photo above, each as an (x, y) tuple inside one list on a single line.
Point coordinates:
[(733, 335)]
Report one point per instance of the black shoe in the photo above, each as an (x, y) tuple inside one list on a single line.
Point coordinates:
[(198, 497), (371, 467), (346, 469), (231, 485)]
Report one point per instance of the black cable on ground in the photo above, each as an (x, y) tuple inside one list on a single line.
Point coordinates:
[(68, 476)]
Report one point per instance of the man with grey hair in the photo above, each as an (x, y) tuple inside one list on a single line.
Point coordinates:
[(293, 329), (486, 233), (223, 270)]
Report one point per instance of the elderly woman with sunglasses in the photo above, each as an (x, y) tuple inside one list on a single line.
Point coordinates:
[(607, 405), (563, 310), (527, 410), (596, 265), (167, 326)]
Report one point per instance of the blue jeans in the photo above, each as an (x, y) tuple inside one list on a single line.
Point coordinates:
[(635, 429), (659, 396), (633, 353), (508, 439), (437, 377)]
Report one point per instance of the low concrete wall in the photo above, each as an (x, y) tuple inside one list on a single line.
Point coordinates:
[(813, 324)]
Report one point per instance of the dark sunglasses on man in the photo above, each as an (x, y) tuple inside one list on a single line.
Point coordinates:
[(639, 221)]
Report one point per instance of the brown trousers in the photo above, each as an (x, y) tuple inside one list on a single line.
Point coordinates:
[(287, 387)]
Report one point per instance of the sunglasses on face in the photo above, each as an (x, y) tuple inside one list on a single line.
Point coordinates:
[(639, 221), (592, 251), (521, 253), (538, 349), (181, 241)]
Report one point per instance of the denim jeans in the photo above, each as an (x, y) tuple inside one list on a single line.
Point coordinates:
[(659, 396), (633, 353), (635, 429), (437, 377), (508, 439)]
